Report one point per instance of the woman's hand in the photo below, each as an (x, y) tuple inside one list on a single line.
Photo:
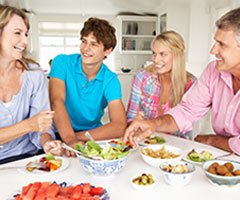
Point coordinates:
[(54, 147), (42, 121)]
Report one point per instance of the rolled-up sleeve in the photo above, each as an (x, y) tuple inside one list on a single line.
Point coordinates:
[(195, 103), (234, 144)]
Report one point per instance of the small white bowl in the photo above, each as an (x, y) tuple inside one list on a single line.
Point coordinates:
[(156, 162), (142, 187), (178, 179), (222, 180)]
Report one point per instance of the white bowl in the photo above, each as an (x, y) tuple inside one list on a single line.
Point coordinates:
[(156, 162), (178, 179), (222, 180), (142, 187)]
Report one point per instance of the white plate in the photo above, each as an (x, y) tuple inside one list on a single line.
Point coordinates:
[(65, 164), (187, 159)]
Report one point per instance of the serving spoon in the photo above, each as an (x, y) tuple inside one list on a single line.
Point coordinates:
[(65, 146), (89, 136)]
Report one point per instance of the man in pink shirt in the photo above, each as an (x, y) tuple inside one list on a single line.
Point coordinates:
[(217, 89)]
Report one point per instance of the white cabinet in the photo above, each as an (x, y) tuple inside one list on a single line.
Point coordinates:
[(126, 85), (136, 34)]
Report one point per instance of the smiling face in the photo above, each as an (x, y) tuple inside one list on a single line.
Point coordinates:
[(13, 39), (162, 58), (92, 52), (226, 50)]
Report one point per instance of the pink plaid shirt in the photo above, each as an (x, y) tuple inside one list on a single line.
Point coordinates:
[(212, 91), (145, 96)]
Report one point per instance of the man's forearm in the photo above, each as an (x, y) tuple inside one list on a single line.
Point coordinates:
[(166, 123), (220, 142)]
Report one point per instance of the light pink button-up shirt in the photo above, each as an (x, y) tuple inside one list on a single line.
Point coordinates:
[(213, 91)]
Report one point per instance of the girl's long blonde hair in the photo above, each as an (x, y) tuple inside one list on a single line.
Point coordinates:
[(6, 13), (175, 43)]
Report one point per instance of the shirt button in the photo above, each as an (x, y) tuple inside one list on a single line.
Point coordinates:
[(149, 100), (231, 106), (227, 124)]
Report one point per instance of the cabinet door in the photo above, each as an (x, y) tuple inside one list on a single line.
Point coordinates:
[(137, 33), (126, 85)]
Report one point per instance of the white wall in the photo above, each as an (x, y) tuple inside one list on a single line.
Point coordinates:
[(199, 36)]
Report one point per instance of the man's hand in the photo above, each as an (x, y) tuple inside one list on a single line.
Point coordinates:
[(42, 121), (138, 130)]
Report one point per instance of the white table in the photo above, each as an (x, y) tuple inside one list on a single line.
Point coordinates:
[(119, 185)]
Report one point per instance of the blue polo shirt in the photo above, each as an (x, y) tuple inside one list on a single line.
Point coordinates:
[(85, 101)]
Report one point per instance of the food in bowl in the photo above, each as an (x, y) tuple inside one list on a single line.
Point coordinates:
[(144, 181), (103, 150), (154, 155), (222, 172), (177, 173), (226, 169), (202, 156), (178, 168), (159, 153), (102, 159)]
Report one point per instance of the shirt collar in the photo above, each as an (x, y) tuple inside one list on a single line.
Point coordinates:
[(227, 78), (78, 69)]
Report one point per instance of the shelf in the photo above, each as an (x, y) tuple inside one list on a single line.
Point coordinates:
[(136, 52), (137, 33), (139, 36)]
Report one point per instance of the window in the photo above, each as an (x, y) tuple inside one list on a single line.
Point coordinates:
[(61, 38), (57, 38)]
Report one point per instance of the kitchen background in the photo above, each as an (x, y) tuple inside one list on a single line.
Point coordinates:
[(55, 27)]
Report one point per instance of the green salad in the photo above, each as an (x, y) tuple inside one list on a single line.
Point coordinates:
[(200, 156), (107, 151)]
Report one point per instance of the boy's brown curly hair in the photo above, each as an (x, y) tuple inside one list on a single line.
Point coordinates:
[(102, 30)]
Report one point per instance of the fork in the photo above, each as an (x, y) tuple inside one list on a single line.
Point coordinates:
[(89, 136), (224, 155)]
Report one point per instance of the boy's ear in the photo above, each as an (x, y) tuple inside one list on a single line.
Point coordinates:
[(107, 52)]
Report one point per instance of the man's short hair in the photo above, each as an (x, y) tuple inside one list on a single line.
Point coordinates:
[(230, 21)]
